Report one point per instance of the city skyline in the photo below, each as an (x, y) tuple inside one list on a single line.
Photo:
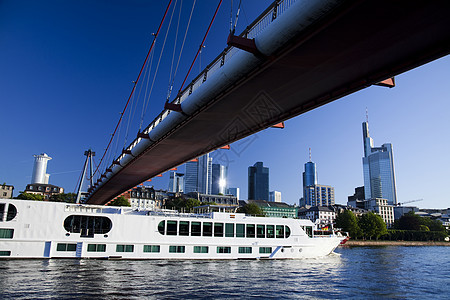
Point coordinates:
[(63, 86)]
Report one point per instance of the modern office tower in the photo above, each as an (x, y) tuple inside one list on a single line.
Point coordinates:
[(198, 177), (258, 182), (275, 196), (235, 192), (318, 195), (176, 182), (309, 175), (378, 168), (219, 179), (40, 175)]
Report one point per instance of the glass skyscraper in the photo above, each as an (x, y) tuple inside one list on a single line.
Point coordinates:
[(310, 174), (219, 179), (198, 177), (258, 182), (378, 168), (176, 182)]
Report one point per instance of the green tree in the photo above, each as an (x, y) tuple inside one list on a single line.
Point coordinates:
[(348, 222), (433, 225), (63, 197), (29, 196), (120, 201), (251, 209), (409, 221), (191, 203), (372, 225)]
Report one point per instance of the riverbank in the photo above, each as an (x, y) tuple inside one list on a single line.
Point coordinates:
[(359, 243)]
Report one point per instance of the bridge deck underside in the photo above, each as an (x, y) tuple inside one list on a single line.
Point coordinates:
[(350, 50)]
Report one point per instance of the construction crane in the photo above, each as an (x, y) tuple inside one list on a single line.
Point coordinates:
[(411, 201)]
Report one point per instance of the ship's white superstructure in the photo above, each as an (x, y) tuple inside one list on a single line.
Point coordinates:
[(35, 229)]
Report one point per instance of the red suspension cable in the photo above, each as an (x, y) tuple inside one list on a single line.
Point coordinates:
[(201, 46), (134, 86)]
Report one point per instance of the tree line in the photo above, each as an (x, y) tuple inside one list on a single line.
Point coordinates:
[(410, 227)]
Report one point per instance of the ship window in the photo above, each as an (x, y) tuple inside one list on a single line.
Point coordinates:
[(201, 249), (5, 253), (66, 247), (177, 249), (229, 230), (2, 209), (87, 225), (260, 231), (6, 233), (152, 248), (246, 250), (240, 230), (223, 249), (161, 226), (309, 231), (280, 231), (172, 227), (124, 248), (218, 229), (270, 231), (96, 248), (184, 228), (12, 212), (196, 228), (265, 250), (250, 230), (287, 231), (207, 229)]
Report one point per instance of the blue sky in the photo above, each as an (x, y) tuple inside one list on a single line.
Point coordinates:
[(66, 71)]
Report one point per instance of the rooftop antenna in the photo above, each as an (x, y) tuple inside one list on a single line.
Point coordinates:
[(309, 154), (367, 115)]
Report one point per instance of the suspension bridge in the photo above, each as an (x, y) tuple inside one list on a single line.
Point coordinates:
[(296, 56)]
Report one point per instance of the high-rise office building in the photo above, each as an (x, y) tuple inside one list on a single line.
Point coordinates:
[(176, 182), (198, 177), (258, 182), (378, 168), (318, 195), (219, 179), (310, 174), (315, 194), (235, 192), (275, 196)]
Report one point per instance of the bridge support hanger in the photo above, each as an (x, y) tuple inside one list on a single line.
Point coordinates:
[(245, 44)]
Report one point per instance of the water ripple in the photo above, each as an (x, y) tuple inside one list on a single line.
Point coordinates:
[(361, 273)]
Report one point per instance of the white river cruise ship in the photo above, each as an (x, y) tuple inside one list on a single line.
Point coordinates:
[(35, 229)]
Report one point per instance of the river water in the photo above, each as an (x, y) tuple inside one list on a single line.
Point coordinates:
[(360, 272)]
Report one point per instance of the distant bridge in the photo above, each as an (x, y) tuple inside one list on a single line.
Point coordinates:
[(296, 56)]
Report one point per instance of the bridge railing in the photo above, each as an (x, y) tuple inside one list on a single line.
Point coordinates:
[(276, 9)]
